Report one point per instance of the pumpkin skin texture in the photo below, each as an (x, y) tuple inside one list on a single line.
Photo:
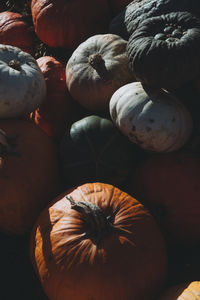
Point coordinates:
[(66, 24), (22, 85), (169, 185), (70, 266), (14, 31), (166, 56), (127, 21), (95, 150), (29, 175), (55, 112), (153, 119), (96, 69), (183, 291)]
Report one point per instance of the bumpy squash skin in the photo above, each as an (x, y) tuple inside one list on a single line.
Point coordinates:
[(126, 22), (183, 291), (95, 150), (154, 119), (29, 176), (92, 85), (70, 266), (164, 51)]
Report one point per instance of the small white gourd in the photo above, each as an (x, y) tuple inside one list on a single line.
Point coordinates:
[(154, 119)]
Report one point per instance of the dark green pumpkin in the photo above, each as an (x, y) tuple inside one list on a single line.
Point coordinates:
[(164, 50), (95, 150), (126, 22)]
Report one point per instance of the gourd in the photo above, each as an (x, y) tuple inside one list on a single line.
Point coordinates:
[(182, 291), (97, 242), (66, 24), (164, 50), (15, 31), (29, 175), (169, 185), (95, 150), (22, 85), (154, 119), (56, 111), (96, 69)]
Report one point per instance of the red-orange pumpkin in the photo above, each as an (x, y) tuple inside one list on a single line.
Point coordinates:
[(66, 24), (15, 31), (29, 175), (55, 113), (97, 242), (169, 185)]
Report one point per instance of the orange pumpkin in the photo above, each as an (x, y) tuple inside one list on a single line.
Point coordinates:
[(15, 31), (97, 242), (55, 113), (29, 175), (183, 291)]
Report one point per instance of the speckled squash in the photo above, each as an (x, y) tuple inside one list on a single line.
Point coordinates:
[(154, 119), (164, 50), (96, 69), (97, 242), (183, 291)]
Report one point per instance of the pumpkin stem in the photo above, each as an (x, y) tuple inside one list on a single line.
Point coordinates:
[(98, 224), (15, 64), (98, 63)]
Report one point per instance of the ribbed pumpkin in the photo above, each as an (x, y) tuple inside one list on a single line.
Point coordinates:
[(169, 185), (15, 31), (164, 50), (154, 119), (96, 69), (183, 291), (97, 242), (55, 113), (29, 175), (95, 150), (68, 23)]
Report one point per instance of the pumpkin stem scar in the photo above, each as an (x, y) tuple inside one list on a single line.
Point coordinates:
[(98, 224), (15, 64)]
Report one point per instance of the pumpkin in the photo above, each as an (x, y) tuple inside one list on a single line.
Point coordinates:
[(169, 185), (22, 85), (97, 242), (183, 291), (164, 50), (95, 150), (55, 112), (127, 21), (96, 69), (66, 24), (29, 174), (15, 31), (154, 119)]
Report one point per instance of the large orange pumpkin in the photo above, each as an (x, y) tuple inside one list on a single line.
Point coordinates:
[(66, 24), (15, 31), (97, 242), (29, 175)]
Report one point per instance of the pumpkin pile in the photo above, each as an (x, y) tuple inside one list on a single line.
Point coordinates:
[(100, 149)]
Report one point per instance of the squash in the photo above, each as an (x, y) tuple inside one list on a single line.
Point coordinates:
[(96, 69), (154, 119), (183, 291), (15, 31), (95, 150), (97, 242), (22, 85), (55, 113), (164, 50), (66, 24), (169, 186), (29, 174)]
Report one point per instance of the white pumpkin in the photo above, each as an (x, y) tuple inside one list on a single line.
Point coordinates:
[(22, 85), (96, 69), (154, 119)]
